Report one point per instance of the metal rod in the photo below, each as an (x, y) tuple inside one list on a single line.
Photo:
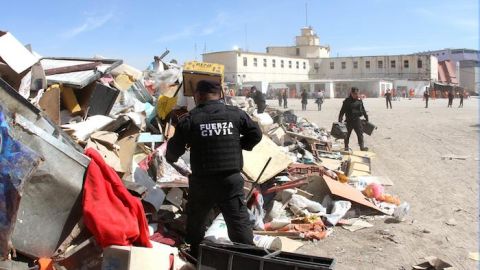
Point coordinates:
[(258, 178), (75, 68)]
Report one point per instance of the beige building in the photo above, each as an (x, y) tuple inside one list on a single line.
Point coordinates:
[(308, 65), (307, 45)]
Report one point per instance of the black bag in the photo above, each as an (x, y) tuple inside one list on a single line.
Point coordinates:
[(368, 127), (289, 117), (339, 130)]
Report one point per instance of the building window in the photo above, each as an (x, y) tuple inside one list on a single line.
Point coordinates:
[(367, 64), (281, 63), (332, 65), (344, 65), (355, 64), (245, 62), (297, 65), (392, 64), (419, 63), (380, 64), (255, 62), (289, 64), (304, 65), (273, 63), (264, 62), (297, 51), (405, 63)]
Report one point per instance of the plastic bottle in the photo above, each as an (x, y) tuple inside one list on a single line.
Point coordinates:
[(401, 211)]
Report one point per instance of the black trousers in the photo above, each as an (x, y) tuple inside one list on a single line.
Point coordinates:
[(426, 102), (285, 103), (389, 101), (354, 124), (226, 192), (450, 101), (261, 107), (461, 103)]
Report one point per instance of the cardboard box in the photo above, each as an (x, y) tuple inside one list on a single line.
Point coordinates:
[(136, 258)]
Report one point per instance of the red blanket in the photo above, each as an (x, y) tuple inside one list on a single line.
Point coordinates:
[(111, 214)]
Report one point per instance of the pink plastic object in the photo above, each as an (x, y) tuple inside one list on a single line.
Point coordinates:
[(374, 191)]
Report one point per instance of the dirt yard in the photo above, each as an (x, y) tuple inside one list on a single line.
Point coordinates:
[(409, 144)]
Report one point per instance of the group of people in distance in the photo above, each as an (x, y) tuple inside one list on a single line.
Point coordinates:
[(426, 96)]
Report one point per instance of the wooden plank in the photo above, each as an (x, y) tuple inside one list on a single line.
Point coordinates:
[(291, 234), (74, 68), (50, 104), (332, 164), (254, 161)]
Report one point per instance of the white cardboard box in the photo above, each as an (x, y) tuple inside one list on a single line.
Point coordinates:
[(136, 258)]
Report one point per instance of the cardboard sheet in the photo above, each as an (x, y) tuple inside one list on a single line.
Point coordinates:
[(348, 192), (254, 161), (15, 54), (290, 245)]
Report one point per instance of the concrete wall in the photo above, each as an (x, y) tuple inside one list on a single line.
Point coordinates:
[(344, 67), (237, 72), (469, 73)]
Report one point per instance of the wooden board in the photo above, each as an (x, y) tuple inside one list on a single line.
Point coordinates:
[(254, 161), (332, 164), (50, 104), (364, 154)]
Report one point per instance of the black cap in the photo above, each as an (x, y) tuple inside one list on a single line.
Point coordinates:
[(253, 88), (208, 86)]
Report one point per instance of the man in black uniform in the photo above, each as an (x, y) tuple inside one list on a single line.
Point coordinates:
[(388, 98), (426, 95), (259, 99), (450, 98), (216, 134), (353, 109)]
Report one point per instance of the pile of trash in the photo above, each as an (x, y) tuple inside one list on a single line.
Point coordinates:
[(85, 184)]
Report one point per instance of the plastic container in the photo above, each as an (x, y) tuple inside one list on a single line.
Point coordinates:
[(217, 232), (401, 211), (268, 242)]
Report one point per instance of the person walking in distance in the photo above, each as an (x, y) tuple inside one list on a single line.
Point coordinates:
[(450, 99), (304, 97), (285, 98), (319, 100), (461, 95), (280, 97), (216, 135), (426, 95), (353, 109), (388, 98), (259, 99)]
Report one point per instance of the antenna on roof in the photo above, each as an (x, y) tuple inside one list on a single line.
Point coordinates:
[(246, 42), (306, 14), (195, 49)]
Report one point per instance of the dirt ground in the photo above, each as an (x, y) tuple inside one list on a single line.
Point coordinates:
[(409, 144)]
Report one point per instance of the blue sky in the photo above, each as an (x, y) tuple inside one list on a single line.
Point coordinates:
[(136, 30)]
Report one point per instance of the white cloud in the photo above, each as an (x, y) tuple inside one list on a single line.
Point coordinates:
[(90, 23), (197, 30), (185, 33)]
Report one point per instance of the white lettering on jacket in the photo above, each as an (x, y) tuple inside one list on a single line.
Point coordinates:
[(216, 129)]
